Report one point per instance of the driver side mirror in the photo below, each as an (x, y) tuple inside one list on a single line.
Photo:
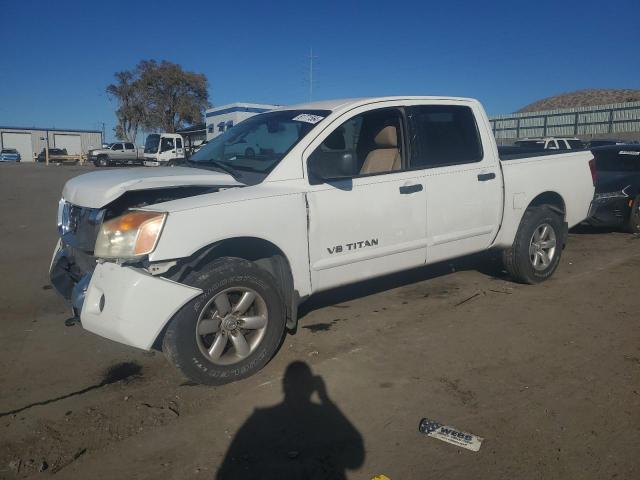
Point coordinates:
[(325, 166)]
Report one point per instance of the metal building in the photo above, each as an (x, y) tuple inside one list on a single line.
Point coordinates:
[(619, 120), (30, 141), (220, 119)]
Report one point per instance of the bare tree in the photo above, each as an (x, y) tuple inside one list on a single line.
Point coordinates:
[(131, 108)]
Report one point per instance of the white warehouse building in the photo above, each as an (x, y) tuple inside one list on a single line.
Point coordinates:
[(30, 141), (220, 119)]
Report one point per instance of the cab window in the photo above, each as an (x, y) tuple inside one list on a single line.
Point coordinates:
[(166, 145), (367, 144), (443, 135)]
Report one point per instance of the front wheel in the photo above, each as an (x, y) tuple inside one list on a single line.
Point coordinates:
[(230, 331), (633, 223), (536, 250), (102, 162)]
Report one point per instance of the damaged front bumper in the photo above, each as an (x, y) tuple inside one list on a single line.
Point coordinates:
[(122, 303)]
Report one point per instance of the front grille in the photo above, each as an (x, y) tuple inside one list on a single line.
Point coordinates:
[(78, 226)]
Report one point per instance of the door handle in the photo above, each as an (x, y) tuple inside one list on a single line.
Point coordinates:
[(483, 177), (407, 189)]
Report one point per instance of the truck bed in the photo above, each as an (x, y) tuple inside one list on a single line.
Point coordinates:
[(509, 152)]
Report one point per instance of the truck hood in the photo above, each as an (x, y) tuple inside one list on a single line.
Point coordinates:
[(97, 189)]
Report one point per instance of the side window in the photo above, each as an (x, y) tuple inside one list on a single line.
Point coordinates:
[(167, 144), (178, 143), (444, 135), (367, 144), (562, 145), (117, 146), (129, 146)]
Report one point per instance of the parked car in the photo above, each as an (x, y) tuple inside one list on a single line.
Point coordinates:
[(54, 154), (550, 143), (164, 149), (119, 153), (602, 142), (617, 198), (9, 155), (210, 262)]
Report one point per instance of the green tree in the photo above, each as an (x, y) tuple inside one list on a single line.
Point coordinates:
[(157, 96), (174, 97)]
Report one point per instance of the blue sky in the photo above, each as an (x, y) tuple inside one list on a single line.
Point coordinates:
[(58, 56)]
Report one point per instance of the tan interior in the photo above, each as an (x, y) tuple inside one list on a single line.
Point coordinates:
[(386, 156)]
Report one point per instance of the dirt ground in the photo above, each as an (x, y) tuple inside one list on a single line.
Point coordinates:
[(548, 375)]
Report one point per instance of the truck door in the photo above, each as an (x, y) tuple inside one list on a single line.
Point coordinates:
[(179, 148), (167, 149), (117, 152), (463, 181), (130, 152), (373, 221)]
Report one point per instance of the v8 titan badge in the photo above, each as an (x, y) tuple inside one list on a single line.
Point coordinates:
[(450, 434)]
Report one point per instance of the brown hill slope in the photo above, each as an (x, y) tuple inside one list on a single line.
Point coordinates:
[(584, 98)]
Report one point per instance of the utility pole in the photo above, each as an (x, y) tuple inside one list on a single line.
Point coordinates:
[(311, 57)]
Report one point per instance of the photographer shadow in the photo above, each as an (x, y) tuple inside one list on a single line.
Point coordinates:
[(296, 439)]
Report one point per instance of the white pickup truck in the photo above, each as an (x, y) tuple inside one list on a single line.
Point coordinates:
[(210, 261)]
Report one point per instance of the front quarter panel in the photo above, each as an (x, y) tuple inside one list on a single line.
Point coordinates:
[(269, 212)]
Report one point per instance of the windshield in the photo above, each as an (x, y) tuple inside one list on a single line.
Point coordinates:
[(152, 143), (576, 144), (257, 144)]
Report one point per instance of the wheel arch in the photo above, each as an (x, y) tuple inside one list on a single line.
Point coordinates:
[(553, 200), (264, 253)]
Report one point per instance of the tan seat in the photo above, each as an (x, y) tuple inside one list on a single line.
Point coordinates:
[(386, 156)]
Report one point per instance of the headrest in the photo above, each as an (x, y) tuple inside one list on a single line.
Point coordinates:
[(335, 141), (387, 137)]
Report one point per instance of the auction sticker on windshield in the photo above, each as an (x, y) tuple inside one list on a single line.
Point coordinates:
[(308, 118)]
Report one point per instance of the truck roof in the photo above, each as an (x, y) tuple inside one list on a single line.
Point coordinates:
[(348, 103)]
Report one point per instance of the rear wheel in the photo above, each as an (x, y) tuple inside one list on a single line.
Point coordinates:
[(249, 153), (230, 331), (536, 250), (633, 223)]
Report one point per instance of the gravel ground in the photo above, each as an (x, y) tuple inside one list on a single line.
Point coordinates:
[(548, 375)]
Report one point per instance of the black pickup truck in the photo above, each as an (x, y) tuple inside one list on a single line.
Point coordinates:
[(617, 199)]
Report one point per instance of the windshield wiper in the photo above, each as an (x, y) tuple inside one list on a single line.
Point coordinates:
[(220, 165)]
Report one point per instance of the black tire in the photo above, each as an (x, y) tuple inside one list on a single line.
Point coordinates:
[(180, 343), (102, 161), (250, 153), (633, 222), (517, 260)]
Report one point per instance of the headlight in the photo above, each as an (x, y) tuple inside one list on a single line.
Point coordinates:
[(131, 235)]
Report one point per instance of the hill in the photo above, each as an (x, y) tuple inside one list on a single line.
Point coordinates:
[(583, 98)]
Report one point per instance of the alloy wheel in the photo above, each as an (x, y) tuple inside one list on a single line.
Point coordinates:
[(542, 247), (232, 325)]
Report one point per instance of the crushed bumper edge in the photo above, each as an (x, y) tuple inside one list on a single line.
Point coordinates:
[(130, 306)]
